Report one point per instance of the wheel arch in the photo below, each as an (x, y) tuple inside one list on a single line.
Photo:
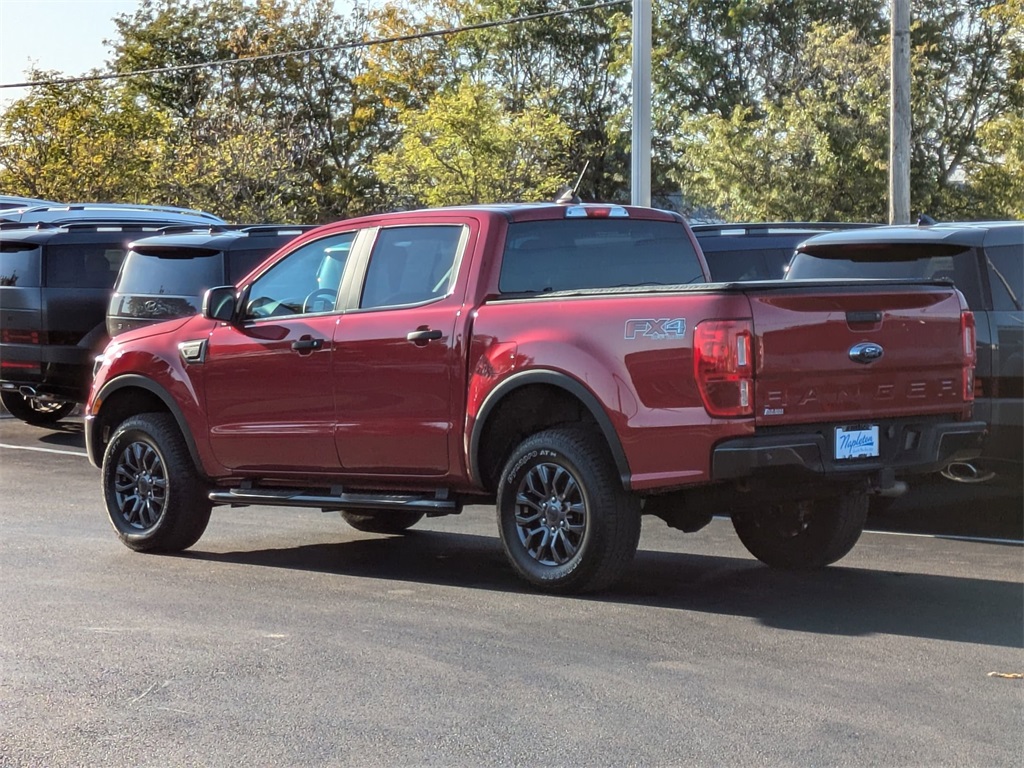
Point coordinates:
[(526, 403), (126, 396)]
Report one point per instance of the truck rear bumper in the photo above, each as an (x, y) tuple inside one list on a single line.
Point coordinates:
[(905, 446)]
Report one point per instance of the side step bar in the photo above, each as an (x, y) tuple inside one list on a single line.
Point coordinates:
[(337, 499)]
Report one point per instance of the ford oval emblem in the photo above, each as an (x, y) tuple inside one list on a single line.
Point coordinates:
[(866, 352)]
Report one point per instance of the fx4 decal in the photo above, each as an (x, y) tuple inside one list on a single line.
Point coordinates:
[(650, 328)]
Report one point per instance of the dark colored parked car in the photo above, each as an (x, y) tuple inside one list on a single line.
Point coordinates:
[(165, 276), (761, 251), (63, 213), (985, 260), (7, 202), (55, 283)]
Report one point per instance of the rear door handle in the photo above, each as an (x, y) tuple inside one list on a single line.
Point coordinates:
[(307, 344), (422, 335)]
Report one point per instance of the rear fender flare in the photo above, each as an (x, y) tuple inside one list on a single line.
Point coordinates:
[(562, 381)]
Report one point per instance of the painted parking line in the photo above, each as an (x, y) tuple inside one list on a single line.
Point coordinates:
[(978, 539), (953, 537), (83, 454)]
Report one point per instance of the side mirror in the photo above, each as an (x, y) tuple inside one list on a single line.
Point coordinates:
[(220, 304)]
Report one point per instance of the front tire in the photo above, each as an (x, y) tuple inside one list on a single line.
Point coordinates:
[(802, 535), (381, 522), (31, 410), (156, 499), (566, 522)]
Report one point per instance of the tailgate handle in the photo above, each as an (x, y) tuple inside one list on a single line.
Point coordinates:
[(868, 316)]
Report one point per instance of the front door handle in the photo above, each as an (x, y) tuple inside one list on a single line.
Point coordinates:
[(307, 344), (421, 336)]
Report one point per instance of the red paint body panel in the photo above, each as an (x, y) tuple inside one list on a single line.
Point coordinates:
[(805, 373), (646, 385)]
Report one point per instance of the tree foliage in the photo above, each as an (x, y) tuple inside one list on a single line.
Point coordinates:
[(762, 109), (465, 148), (81, 142)]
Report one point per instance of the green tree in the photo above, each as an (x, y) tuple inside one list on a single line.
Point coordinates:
[(966, 96), (814, 154), (465, 148), (311, 101), (89, 141)]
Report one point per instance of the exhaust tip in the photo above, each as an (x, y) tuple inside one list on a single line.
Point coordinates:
[(965, 472)]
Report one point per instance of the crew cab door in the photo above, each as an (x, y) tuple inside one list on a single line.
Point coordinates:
[(270, 389), (396, 354)]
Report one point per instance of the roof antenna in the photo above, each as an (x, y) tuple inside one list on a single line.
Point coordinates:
[(924, 220), (567, 195)]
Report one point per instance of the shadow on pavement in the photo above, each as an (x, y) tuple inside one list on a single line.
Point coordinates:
[(837, 600)]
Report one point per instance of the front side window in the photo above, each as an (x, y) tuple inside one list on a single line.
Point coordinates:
[(411, 265), (305, 281)]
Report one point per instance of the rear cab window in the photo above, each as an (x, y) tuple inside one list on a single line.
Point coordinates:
[(581, 254)]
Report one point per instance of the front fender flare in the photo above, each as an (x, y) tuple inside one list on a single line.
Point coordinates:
[(93, 441)]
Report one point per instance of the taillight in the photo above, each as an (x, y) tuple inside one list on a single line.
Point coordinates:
[(967, 334), (969, 341), (723, 365), (15, 336)]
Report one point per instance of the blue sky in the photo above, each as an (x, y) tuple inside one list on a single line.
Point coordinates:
[(55, 34), (65, 35)]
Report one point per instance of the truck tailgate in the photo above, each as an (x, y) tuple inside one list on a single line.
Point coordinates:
[(850, 353)]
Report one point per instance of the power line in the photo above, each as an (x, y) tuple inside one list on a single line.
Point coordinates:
[(352, 45)]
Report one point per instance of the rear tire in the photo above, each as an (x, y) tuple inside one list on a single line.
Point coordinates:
[(381, 522), (31, 410), (806, 534), (566, 522), (156, 499)]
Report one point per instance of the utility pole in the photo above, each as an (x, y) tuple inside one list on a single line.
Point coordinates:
[(641, 175), (899, 114)]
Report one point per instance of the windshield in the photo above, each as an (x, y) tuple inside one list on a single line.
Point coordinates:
[(573, 254)]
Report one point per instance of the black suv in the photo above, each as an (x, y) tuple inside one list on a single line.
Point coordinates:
[(165, 276), (55, 282), (985, 260), (63, 213), (760, 251)]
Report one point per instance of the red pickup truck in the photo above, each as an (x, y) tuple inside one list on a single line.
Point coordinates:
[(570, 363)]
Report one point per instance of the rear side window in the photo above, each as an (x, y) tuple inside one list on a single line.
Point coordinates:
[(19, 265), (1006, 276), (411, 265), (241, 263), (176, 273), (83, 265), (893, 263), (757, 264), (579, 254)]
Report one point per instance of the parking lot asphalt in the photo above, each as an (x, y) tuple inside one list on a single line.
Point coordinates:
[(286, 638)]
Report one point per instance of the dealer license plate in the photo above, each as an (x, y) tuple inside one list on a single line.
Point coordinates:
[(856, 442)]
